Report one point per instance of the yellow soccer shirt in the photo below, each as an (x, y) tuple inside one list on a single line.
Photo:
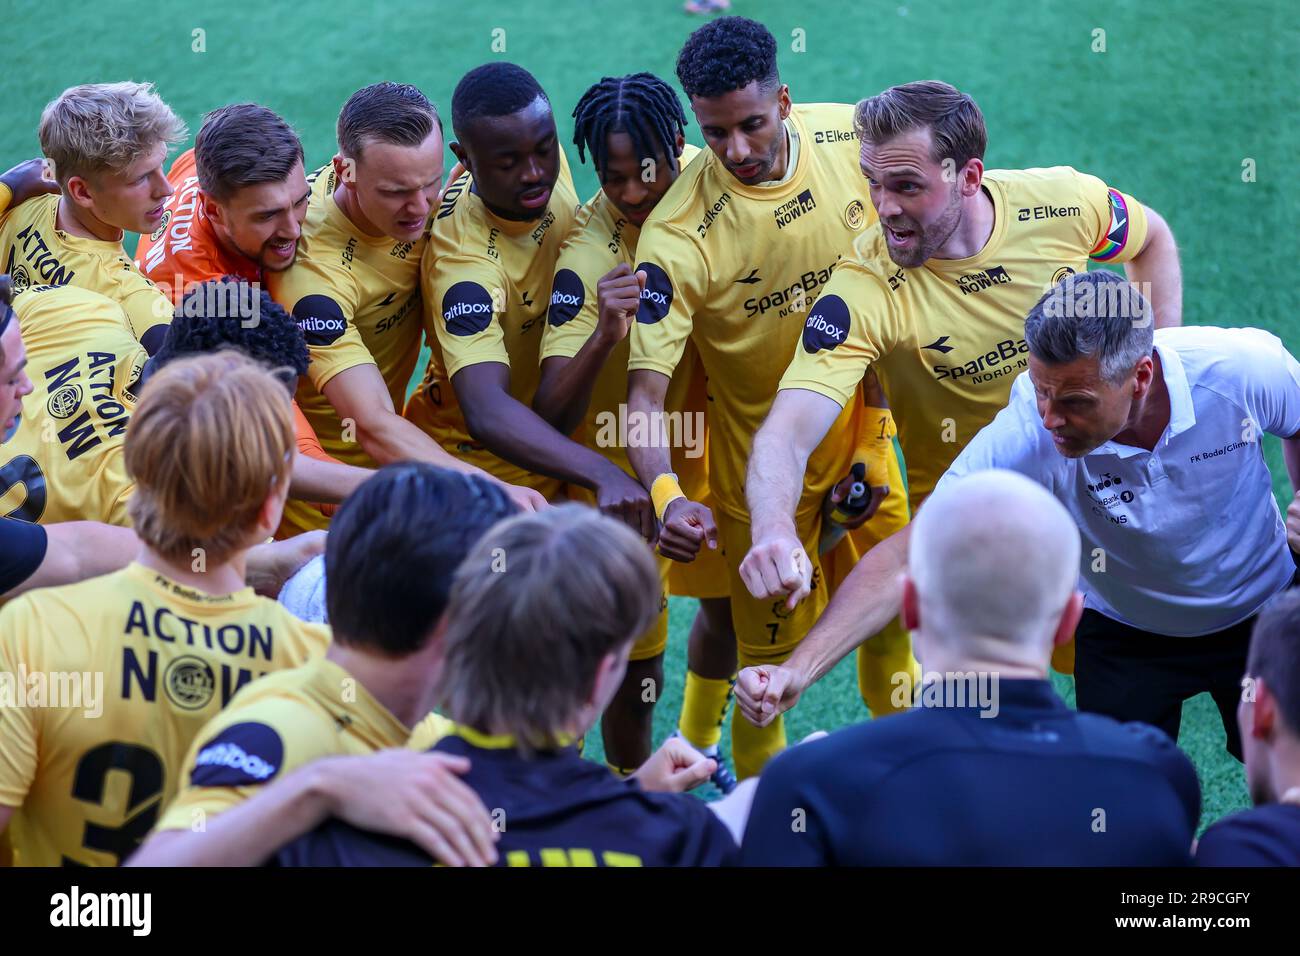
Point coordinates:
[(487, 284), (273, 727), (357, 300), (36, 252), (948, 339), (129, 667), (736, 268), (66, 460), (600, 240)]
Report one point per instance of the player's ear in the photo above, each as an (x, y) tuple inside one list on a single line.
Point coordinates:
[(1263, 712), (1069, 620), (783, 99), (462, 156), (911, 605), (972, 174), (680, 144), (212, 209), (78, 190)]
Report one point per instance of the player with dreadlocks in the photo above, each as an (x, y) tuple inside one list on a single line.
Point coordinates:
[(633, 129)]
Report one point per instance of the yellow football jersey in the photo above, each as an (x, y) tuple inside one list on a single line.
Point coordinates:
[(66, 460), (36, 252), (736, 268), (278, 724), (601, 239), (487, 284), (132, 666), (948, 339), (357, 300)]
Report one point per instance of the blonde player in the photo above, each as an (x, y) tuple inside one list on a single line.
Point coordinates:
[(107, 143), (136, 662)]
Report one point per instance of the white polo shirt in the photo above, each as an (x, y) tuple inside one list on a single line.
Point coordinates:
[(1189, 535)]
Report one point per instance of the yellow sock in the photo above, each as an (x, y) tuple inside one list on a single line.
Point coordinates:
[(621, 772), (704, 705), (752, 747), (1063, 657), (887, 654)]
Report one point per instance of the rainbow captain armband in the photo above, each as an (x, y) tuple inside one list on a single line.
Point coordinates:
[(1116, 238), (876, 444), (664, 491)]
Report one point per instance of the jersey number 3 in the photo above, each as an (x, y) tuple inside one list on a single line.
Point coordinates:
[(145, 769), (24, 471)]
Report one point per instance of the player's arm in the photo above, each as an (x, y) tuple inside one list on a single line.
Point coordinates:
[(76, 550), (418, 796), (25, 181), (360, 396), (686, 524), (776, 563), (512, 430), (1157, 272), (564, 391), (324, 480)]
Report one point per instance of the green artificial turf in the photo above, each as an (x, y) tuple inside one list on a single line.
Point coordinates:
[(1182, 95)]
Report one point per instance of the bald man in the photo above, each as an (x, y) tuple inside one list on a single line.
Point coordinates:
[(992, 768)]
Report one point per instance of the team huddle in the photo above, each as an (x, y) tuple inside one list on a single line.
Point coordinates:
[(264, 602)]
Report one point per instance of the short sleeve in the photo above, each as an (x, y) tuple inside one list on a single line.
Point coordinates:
[(852, 325), (22, 549), (1116, 222), (677, 279), (240, 752), (463, 299), (1015, 440), (1272, 378), (572, 316), (19, 735), (150, 313), (323, 302)]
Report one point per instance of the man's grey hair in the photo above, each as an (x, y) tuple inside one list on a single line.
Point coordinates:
[(1096, 314)]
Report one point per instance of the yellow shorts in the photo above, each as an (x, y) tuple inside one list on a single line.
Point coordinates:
[(766, 632)]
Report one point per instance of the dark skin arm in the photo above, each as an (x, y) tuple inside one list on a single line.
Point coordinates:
[(512, 430), (565, 388)]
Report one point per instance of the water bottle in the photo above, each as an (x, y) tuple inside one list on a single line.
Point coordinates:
[(848, 510)]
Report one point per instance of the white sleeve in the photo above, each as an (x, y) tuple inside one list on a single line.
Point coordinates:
[(1014, 440), (1272, 382)]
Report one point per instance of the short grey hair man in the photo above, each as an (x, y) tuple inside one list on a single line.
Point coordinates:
[(1097, 314)]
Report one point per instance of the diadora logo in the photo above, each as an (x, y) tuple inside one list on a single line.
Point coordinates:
[(467, 308), (1104, 494), (827, 326), (567, 296), (939, 345), (656, 297), (979, 281), (788, 212), (386, 300), (1047, 212), (526, 299), (711, 214), (833, 136), (751, 278)]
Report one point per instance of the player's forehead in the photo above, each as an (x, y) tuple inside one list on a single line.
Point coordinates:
[(735, 107), (149, 160), (13, 355), (397, 167), (1082, 376), (908, 154), (519, 132), (621, 152), (257, 197)]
